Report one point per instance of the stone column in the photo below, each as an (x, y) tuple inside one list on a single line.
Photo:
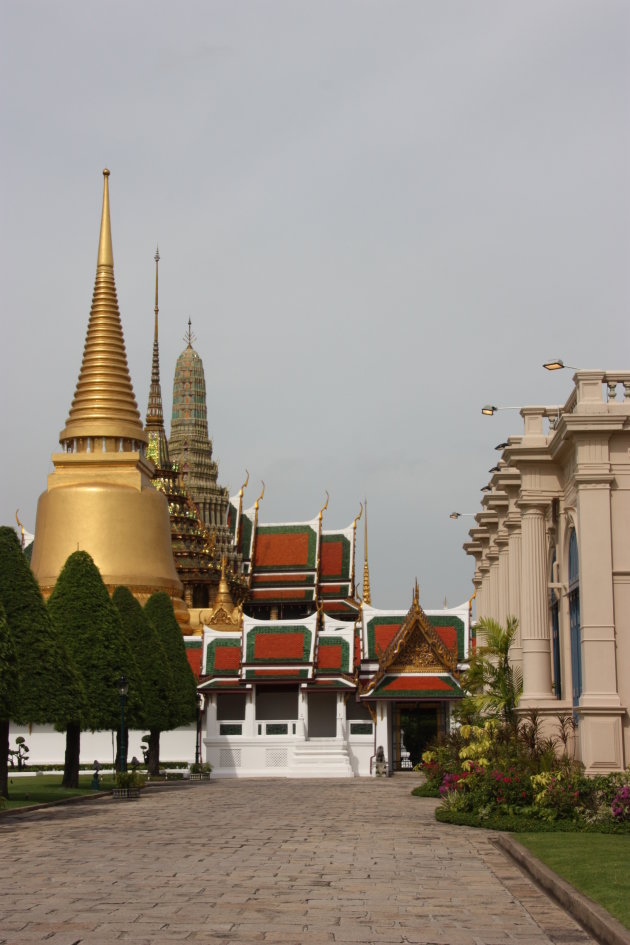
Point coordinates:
[(482, 601), (502, 576), (249, 727), (382, 731), (514, 587), (341, 716), (212, 727), (493, 559), (535, 636), (303, 711), (597, 619)]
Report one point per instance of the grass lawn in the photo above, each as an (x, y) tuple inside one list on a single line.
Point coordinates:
[(596, 864), (47, 787)]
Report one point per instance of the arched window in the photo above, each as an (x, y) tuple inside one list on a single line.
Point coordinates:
[(574, 618), (555, 633)]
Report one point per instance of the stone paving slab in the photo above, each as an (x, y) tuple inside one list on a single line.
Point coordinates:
[(271, 861)]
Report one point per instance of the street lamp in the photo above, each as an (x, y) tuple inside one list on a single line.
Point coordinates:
[(488, 410), (556, 364), (123, 689)]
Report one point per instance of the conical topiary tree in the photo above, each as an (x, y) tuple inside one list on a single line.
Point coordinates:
[(48, 689), (8, 696), (159, 610), (89, 624), (157, 679)]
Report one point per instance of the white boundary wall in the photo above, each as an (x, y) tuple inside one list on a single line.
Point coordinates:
[(48, 746)]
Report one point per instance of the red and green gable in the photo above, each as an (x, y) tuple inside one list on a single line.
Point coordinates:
[(336, 557), (286, 547), (194, 653), (380, 631), (416, 686), (340, 607), (277, 672), (278, 644), (451, 631), (333, 655), (285, 595), (223, 656)]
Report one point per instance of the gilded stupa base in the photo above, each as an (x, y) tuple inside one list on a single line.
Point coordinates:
[(105, 504)]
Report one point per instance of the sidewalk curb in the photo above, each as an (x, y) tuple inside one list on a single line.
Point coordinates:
[(28, 809), (593, 917), (97, 795)]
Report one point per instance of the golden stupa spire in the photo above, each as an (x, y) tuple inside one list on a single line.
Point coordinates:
[(367, 596), (104, 414), (223, 598)]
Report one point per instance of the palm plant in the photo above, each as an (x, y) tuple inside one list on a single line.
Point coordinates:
[(493, 685)]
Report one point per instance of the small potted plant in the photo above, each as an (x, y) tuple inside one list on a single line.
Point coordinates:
[(128, 785), (199, 771)]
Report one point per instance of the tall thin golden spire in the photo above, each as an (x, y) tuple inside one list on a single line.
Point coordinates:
[(157, 449), (104, 414), (367, 596)]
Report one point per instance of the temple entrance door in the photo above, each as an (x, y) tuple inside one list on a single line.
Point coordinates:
[(416, 726), (322, 714)]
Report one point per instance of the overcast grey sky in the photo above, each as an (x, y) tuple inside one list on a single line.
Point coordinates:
[(378, 215)]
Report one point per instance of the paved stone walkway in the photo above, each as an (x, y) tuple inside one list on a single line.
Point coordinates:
[(292, 862)]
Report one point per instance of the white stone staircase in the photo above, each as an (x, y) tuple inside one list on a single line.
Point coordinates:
[(320, 758)]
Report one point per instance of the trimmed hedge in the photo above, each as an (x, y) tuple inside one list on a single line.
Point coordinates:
[(516, 823)]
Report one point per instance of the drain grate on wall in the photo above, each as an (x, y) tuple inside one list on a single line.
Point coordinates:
[(276, 758), (230, 758)]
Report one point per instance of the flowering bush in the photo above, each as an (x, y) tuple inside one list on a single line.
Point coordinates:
[(620, 807), (486, 770)]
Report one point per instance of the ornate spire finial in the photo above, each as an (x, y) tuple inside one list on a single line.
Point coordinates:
[(190, 336), (158, 445), (104, 408), (260, 497), (416, 593), (367, 595), (156, 309), (105, 253)]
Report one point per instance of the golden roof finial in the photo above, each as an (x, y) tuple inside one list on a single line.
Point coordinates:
[(324, 507), (367, 595), (416, 593), (259, 499), (21, 526), (104, 404), (354, 542), (240, 492)]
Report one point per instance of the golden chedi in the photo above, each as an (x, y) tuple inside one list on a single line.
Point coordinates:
[(100, 498)]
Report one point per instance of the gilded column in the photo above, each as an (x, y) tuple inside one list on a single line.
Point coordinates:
[(535, 637)]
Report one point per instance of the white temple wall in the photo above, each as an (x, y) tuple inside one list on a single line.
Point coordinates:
[(47, 747)]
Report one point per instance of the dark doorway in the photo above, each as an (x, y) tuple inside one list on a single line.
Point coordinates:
[(417, 726)]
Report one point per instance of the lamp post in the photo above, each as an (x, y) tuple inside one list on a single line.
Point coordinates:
[(200, 701), (123, 689)]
